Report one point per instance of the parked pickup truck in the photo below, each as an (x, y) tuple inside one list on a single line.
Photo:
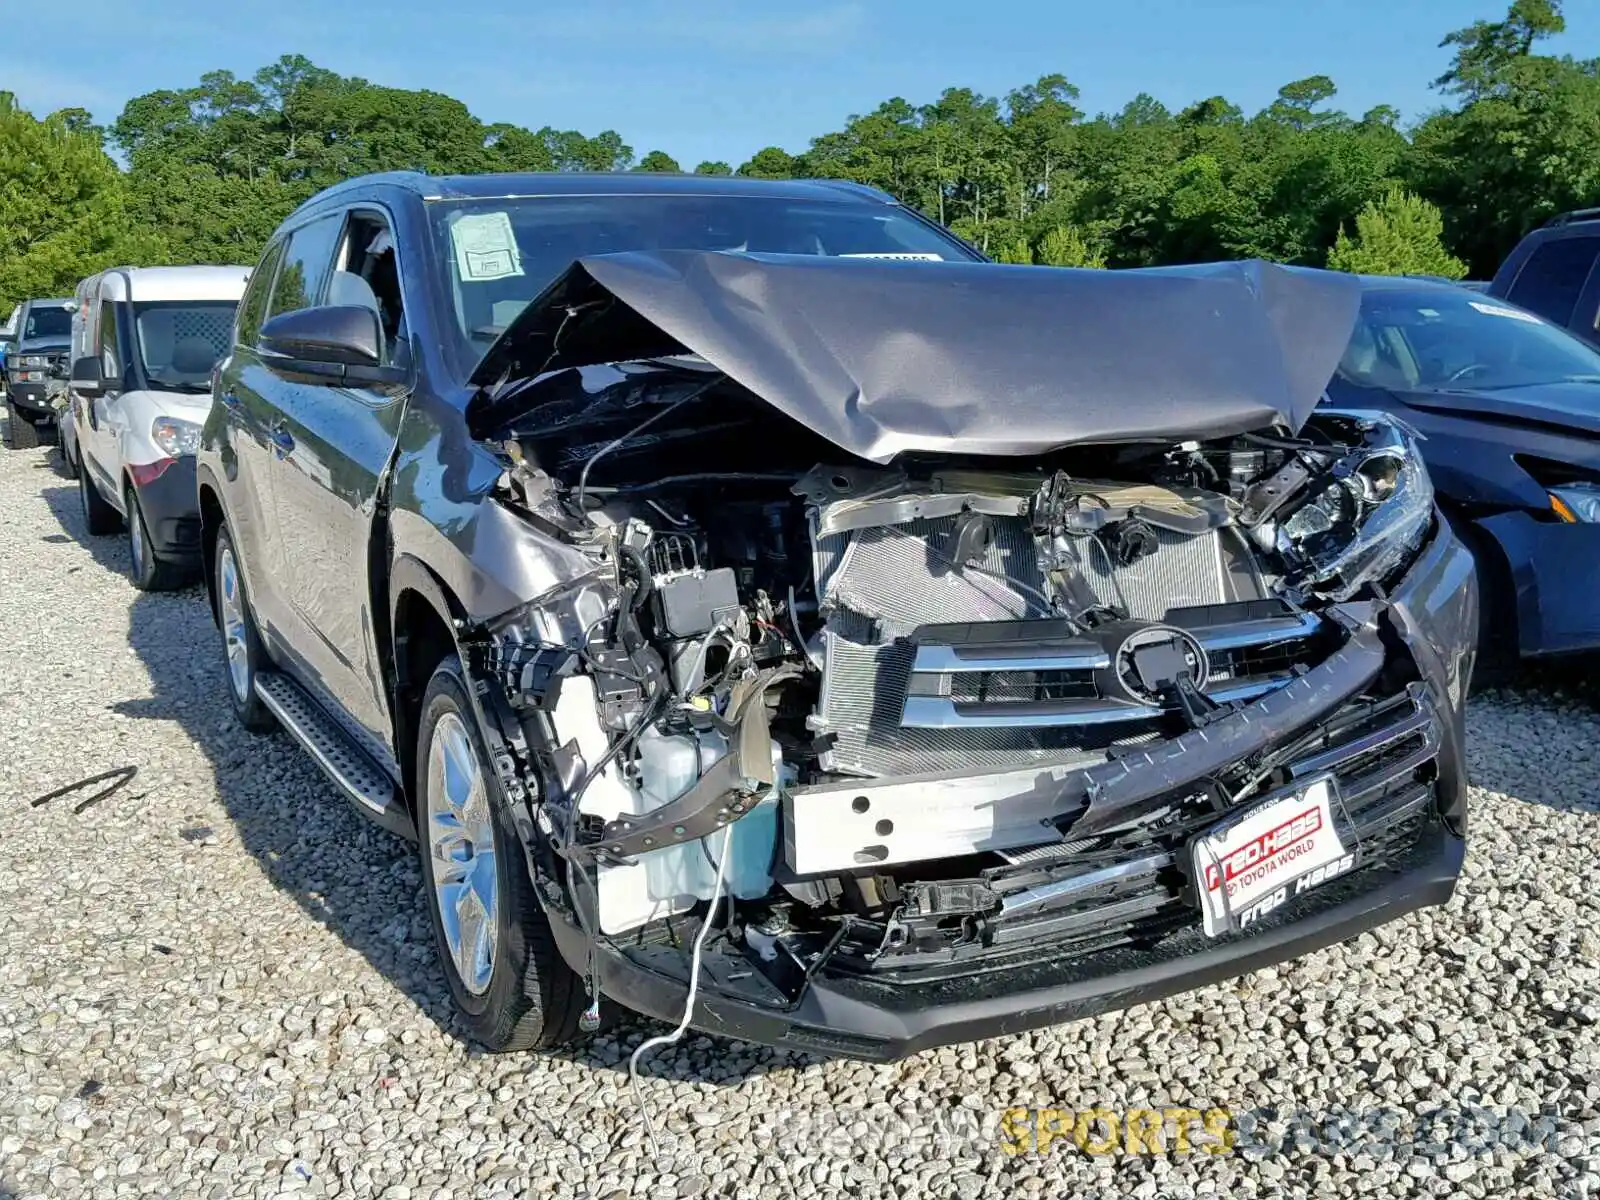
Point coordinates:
[(36, 369)]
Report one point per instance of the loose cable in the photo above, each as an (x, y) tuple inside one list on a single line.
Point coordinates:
[(669, 1039)]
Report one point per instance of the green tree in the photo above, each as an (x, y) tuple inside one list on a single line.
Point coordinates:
[(771, 163), (658, 160), (63, 210), (1398, 235), (1296, 105), (713, 168), (1014, 250), (1067, 246), (1524, 143), (1485, 49), (1043, 119)]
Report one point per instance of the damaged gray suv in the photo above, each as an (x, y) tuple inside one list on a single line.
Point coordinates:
[(747, 597)]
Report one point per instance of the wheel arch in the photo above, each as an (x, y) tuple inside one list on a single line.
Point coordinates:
[(423, 618), (1499, 619), (212, 518)]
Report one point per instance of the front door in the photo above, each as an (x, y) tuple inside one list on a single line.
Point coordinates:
[(102, 413), (334, 448)]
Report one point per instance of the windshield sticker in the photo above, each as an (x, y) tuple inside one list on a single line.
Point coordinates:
[(486, 248), (1495, 310), (899, 256)]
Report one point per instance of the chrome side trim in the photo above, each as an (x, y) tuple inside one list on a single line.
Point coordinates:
[(1049, 893), (1238, 634), (1418, 722), (940, 712), (934, 659)]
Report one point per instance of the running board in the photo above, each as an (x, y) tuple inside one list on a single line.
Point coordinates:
[(363, 782)]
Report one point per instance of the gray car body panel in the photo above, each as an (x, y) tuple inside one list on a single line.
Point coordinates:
[(888, 357)]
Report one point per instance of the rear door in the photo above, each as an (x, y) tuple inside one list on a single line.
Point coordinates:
[(244, 395), (335, 446), (1555, 276), (1586, 313)]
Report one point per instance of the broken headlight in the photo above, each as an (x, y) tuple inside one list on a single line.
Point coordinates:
[(1367, 518)]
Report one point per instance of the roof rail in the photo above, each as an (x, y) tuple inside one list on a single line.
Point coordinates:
[(1577, 214)]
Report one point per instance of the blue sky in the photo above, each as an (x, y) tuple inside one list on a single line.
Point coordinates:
[(717, 79)]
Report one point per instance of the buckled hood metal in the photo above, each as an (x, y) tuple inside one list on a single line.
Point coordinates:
[(884, 357)]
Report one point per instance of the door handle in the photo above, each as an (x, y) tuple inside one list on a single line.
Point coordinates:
[(282, 442)]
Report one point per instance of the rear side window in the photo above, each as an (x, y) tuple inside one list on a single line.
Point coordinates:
[(110, 356), (253, 306), (306, 263), (1553, 277)]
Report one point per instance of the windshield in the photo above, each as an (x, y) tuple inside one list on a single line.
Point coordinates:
[(504, 252), (47, 323), (1444, 338), (180, 341)]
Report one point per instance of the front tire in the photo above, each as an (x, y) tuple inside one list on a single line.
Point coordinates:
[(24, 434), (100, 518), (149, 573), (508, 980), (243, 654)]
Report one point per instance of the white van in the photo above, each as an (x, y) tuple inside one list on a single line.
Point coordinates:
[(144, 342)]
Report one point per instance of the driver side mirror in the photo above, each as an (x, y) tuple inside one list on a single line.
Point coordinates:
[(88, 376), (337, 344)]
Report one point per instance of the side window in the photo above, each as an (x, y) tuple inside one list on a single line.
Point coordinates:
[(1552, 278), (110, 355), (306, 262), (253, 305), (367, 274)]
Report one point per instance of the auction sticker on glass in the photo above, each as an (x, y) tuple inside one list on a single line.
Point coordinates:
[(486, 247), (1285, 846)]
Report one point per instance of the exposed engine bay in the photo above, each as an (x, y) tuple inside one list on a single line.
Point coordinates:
[(882, 676)]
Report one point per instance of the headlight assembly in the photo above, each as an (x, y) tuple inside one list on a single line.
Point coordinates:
[(1577, 503), (1366, 520), (175, 436)]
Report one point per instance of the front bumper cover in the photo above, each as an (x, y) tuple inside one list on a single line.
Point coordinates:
[(836, 1018), (33, 401), (1432, 613), (171, 506)]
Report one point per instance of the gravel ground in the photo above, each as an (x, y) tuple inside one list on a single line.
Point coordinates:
[(217, 981)]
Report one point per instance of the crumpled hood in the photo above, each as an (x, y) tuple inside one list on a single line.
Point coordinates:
[(883, 357)]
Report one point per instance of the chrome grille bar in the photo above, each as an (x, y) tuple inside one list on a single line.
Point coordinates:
[(929, 703)]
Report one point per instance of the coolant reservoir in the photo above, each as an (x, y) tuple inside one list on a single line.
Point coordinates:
[(672, 880), (669, 765)]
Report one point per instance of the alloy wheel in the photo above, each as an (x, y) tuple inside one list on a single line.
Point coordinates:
[(231, 602), (461, 846), (136, 546)]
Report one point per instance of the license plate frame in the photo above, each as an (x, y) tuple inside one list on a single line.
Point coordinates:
[(1279, 847)]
